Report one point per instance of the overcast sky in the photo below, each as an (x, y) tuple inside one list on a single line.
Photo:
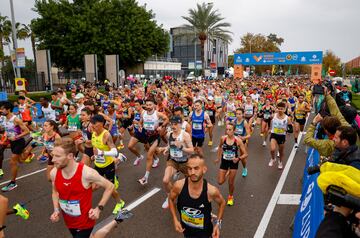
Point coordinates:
[(304, 24)]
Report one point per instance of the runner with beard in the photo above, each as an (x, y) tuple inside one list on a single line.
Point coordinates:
[(150, 123), (192, 196), (302, 108)]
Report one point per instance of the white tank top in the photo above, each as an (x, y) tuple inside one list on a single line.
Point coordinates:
[(49, 113), (150, 122), (279, 126), (249, 109)]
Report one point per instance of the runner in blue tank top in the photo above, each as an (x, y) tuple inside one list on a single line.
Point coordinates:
[(198, 118)]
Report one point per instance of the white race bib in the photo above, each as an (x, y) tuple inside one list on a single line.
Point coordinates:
[(197, 126), (176, 153), (100, 159), (229, 155), (71, 208), (149, 125)]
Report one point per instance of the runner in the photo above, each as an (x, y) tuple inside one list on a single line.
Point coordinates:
[(211, 110), (185, 126), (72, 190), (242, 127), (179, 146), (198, 119), (219, 107), (104, 154), (267, 111), (250, 112), (194, 196), (139, 134), (302, 108), (47, 112), (126, 120), (231, 151), (279, 126), (16, 130), (85, 144), (150, 123)]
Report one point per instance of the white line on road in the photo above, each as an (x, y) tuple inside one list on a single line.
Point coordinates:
[(289, 199), (129, 207), (24, 176), (274, 198)]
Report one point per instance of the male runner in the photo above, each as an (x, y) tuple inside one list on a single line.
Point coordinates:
[(194, 196), (179, 142), (72, 190), (301, 110)]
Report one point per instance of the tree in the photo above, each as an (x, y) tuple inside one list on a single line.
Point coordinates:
[(256, 43), (231, 61), (71, 29), (207, 24), (5, 31), (331, 61)]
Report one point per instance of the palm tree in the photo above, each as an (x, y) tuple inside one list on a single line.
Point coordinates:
[(5, 31), (27, 32), (207, 24)]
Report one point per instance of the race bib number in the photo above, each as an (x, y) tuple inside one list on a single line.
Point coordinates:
[(229, 155), (231, 114), (279, 130), (192, 217), (149, 125), (71, 208), (210, 113), (49, 145), (197, 126), (176, 153), (299, 116), (84, 136), (100, 159), (266, 116), (72, 128), (239, 130)]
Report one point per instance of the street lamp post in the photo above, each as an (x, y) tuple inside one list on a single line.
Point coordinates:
[(18, 73), (195, 52)]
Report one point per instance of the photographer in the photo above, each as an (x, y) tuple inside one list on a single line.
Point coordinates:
[(317, 90)]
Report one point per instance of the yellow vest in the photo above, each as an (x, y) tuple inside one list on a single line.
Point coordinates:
[(97, 142)]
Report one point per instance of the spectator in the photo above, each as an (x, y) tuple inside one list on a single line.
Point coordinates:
[(345, 95)]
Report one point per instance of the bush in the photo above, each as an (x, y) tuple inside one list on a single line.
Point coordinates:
[(356, 101), (35, 96)]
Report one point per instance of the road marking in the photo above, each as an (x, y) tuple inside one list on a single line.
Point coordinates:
[(274, 198), (24, 176), (289, 199), (129, 207)]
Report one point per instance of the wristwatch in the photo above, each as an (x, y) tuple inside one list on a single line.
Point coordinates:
[(101, 207), (218, 222)]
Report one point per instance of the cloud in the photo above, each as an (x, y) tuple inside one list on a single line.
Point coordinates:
[(304, 24)]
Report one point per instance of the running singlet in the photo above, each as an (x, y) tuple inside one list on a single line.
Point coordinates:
[(292, 103), (49, 142), (97, 142), (249, 110), (176, 153), (210, 110), (267, 113), (279, 126), (300, 111), (198, 125), (49, 113), (25, 113), (150, 123), (230, 151), (75, 200), (73, 123), (11, 129), (218, 100), (240, 128), (230, 111), (186, 111), (195, 214)]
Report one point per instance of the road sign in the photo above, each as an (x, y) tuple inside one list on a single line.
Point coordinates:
[(332, 72)]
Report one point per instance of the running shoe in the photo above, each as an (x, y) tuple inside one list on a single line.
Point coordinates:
[(296, 145), (280, 165), (143, 181), (244, 172), (116, 182), (121, 146), (278, 154), (271, 163), (30, 158), (264, 143), (120, 205), (21, 211), (1, 173), (155, 162), (122, 157), (123, 215), (230, 201), (43, 159), (138, 159), (210, 143), (166, 203), (9, 187)]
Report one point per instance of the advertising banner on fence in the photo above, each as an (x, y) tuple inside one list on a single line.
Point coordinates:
[(311, 209), (20, 57), (279, 58)]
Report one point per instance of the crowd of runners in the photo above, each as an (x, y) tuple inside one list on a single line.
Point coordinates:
[(83, 137)]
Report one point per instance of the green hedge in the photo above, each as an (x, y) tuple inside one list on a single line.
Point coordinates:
[(35, 96), (356, 101)]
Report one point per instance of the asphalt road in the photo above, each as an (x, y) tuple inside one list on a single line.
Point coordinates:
[(252, 196)]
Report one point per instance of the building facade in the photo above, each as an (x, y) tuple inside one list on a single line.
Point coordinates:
[(185, 47), (354, 63)]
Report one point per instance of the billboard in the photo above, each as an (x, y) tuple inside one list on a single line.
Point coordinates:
[(279, 58)]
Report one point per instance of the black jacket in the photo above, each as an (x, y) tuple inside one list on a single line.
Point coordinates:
[(334, 225)]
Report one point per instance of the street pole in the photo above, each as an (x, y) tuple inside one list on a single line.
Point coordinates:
[(195, 54), (18, 73)]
